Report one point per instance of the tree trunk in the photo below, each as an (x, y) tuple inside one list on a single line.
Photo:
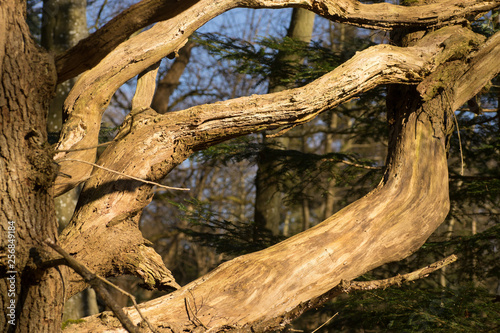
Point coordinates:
[(168, 84), (268, 203), (150, 145), (258, 291), (27, 211)]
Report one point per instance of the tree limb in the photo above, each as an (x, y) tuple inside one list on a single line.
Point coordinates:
[(347, 287), (376, 16), (376, 224), (76, 60), (256, 291), (381, 64)]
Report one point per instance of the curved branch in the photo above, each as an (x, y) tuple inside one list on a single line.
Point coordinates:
[(483, 66), (76, 60), (261, 287), (376, 16), (386, 16), (154, 144), (377, 65)]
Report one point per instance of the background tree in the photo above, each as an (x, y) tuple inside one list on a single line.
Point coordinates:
[(64, 23)]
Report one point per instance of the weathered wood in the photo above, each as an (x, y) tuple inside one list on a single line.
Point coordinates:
[(258, 290), (377, 65), (254, 292), (386, 225), (91, 95), (151, 144)]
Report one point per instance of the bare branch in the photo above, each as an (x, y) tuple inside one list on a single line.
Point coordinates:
[(145, 90), (348, 287), (482, 67), (340, 248), (96, 283), (377, 16), (76, 60), (132, 298), (377, 65)]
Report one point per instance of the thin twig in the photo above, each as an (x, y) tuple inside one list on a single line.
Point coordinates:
[(458, 133), (132, 298), (195, 319), (96, 283), (354, 164), (123, 174), (326, 322), (361, 165), (84, 148), (349, 286)]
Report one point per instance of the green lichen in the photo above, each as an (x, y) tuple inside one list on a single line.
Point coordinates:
[(410, 2), (72, 321)]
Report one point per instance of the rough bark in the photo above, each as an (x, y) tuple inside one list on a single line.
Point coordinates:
[(27, 170), (64, 24), (92, 93), (264, 290)]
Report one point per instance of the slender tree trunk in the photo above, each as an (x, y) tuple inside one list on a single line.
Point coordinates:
[(268, 201), (27, 214), (169, 82)]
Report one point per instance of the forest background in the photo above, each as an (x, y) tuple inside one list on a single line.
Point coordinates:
[(249, 193)]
